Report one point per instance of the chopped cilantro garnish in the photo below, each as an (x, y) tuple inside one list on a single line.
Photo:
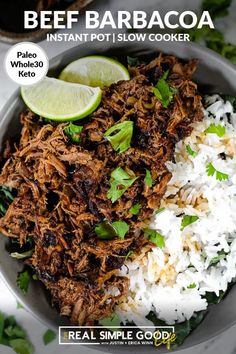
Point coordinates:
[(49, 336), (163, 91), (14, 336), (6, 198), (148, 178), (211, 171), (217, 259), (120, 182), (121, 228), (73, 131), (133, 61), (22, 255), (191, 286), (159, 211), (216, 129), (21, 346), (129, 254), (113, 320), (23, 280), (190, 151), (120, 135), (19, 306), (188, 220), (155, 237), (134, 210), (106, 230)]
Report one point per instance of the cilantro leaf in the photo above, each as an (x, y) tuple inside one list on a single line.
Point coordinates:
[(148, 178), (134, 210), (211, 171), (163, 91), (73, 131), (133, 61), (49, 336), (22, 255), (121, 228), (155, 237), (21, 346), (107, 230), (217, 8), (113, 320), (217, 259), (11, 334), (182, 329), (120, 182), (216, 129), (191, 286), (6, 198), (190, 151), (23, 280), (121, 140), (19, 306), (15, 331), (188, 220), (2, 318), (159, 211), (129, 254), (212, 298)]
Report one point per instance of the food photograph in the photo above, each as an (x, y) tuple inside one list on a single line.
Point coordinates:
[(118, 176)]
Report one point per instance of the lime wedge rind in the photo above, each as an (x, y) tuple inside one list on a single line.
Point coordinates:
[(61, 101), (95, 71)]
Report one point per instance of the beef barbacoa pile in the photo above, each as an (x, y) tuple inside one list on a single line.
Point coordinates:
[(62, 187)]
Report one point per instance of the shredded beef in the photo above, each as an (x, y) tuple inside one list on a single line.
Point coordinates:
[(62, 187)]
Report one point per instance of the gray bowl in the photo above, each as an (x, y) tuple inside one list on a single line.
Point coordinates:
[(214, 75)]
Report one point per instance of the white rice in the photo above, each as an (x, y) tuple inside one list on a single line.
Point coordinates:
[(159, 278)]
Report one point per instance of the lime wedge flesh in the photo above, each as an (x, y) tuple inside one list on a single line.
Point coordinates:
[(61, 101), (95, 71)]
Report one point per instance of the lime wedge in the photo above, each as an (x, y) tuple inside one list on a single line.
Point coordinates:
[(61, 101), (95, 71)]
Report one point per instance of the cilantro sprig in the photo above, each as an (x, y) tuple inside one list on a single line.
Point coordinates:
[(73, 131), (219, 130), (120, 136), (108, 230), (212, 171), (163, 92), (120, 182), (155, 237), (14, 336), (188, 220)]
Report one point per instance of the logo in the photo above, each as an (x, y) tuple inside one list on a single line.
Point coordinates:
[(156, 336)]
